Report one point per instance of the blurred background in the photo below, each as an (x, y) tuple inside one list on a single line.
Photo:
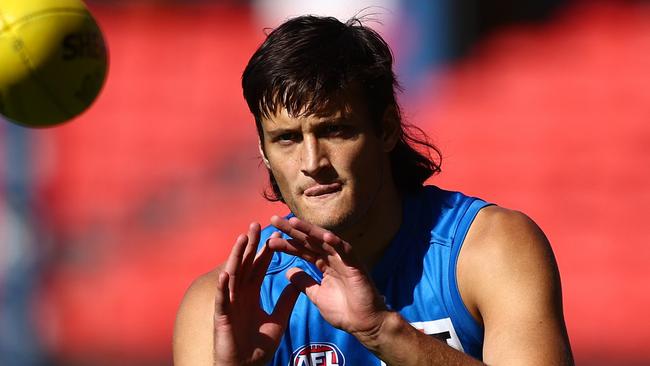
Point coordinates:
[(542, 106)]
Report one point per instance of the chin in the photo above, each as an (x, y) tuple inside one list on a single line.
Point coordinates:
[(335, 214), (333, 220)]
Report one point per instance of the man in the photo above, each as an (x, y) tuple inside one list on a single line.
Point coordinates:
[(371, 267)]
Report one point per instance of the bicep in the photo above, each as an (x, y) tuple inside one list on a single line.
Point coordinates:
[(511, 278), (193, 329)]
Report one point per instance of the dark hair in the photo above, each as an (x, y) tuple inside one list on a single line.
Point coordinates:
[(307, 63)]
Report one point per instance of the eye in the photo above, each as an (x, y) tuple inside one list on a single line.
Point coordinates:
[(338, 131), (333, 129), (288, 138)]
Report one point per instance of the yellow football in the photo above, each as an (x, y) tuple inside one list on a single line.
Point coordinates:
[(53, 61)]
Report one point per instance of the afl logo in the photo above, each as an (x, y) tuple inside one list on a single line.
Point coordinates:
[(318, 354)]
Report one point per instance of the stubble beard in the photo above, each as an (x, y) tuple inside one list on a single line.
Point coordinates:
[(346, 223), (335, 219), (341, 221)]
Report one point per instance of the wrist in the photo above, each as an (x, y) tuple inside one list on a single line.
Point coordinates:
[(387, 328)]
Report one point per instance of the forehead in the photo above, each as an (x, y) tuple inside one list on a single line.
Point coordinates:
[(350, 109), (283, 119)]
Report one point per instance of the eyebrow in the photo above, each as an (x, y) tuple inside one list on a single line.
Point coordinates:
[(334, 120), (280, 131), (330, 122), (316, 125)]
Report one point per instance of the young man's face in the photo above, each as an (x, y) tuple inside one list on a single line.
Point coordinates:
[(330, 170)]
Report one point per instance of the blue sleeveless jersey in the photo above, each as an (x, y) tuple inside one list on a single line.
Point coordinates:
[(416, 275)]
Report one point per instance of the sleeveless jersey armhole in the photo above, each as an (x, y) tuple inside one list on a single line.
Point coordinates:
[(462, 315)]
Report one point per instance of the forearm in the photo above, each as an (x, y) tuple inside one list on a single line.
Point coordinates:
[(396, 342)]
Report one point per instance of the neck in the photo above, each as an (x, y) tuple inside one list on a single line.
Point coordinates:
[(378, 227)]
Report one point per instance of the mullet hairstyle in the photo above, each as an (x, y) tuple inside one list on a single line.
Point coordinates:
[(306, 65)]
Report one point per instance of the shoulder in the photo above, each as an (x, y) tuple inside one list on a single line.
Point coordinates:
[(193, 328), (200, 292), (505, 252), (508, 278), (500, 231)]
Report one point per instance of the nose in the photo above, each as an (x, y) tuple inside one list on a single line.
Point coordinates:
[(314, 157)]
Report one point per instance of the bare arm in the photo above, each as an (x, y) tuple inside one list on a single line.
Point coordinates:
[(509, 278), (192, 343)]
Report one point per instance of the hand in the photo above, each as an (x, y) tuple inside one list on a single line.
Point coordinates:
[(346, 297), (244, 334)]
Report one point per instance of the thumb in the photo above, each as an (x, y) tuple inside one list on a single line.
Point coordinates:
[(303, 282)]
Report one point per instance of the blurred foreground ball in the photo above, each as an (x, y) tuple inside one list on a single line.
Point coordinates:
[(52, 61)]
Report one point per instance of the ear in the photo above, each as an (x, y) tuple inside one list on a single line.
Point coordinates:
[(391, 128), (263, 154)]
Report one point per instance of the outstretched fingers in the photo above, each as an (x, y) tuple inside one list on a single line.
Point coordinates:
[(340, 247), (293, 247), (243, 263), (310, 240), (330, 242), (222, 296), (251, 247), (262, 261), (312, 231), (315, 238), (233, 264)]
